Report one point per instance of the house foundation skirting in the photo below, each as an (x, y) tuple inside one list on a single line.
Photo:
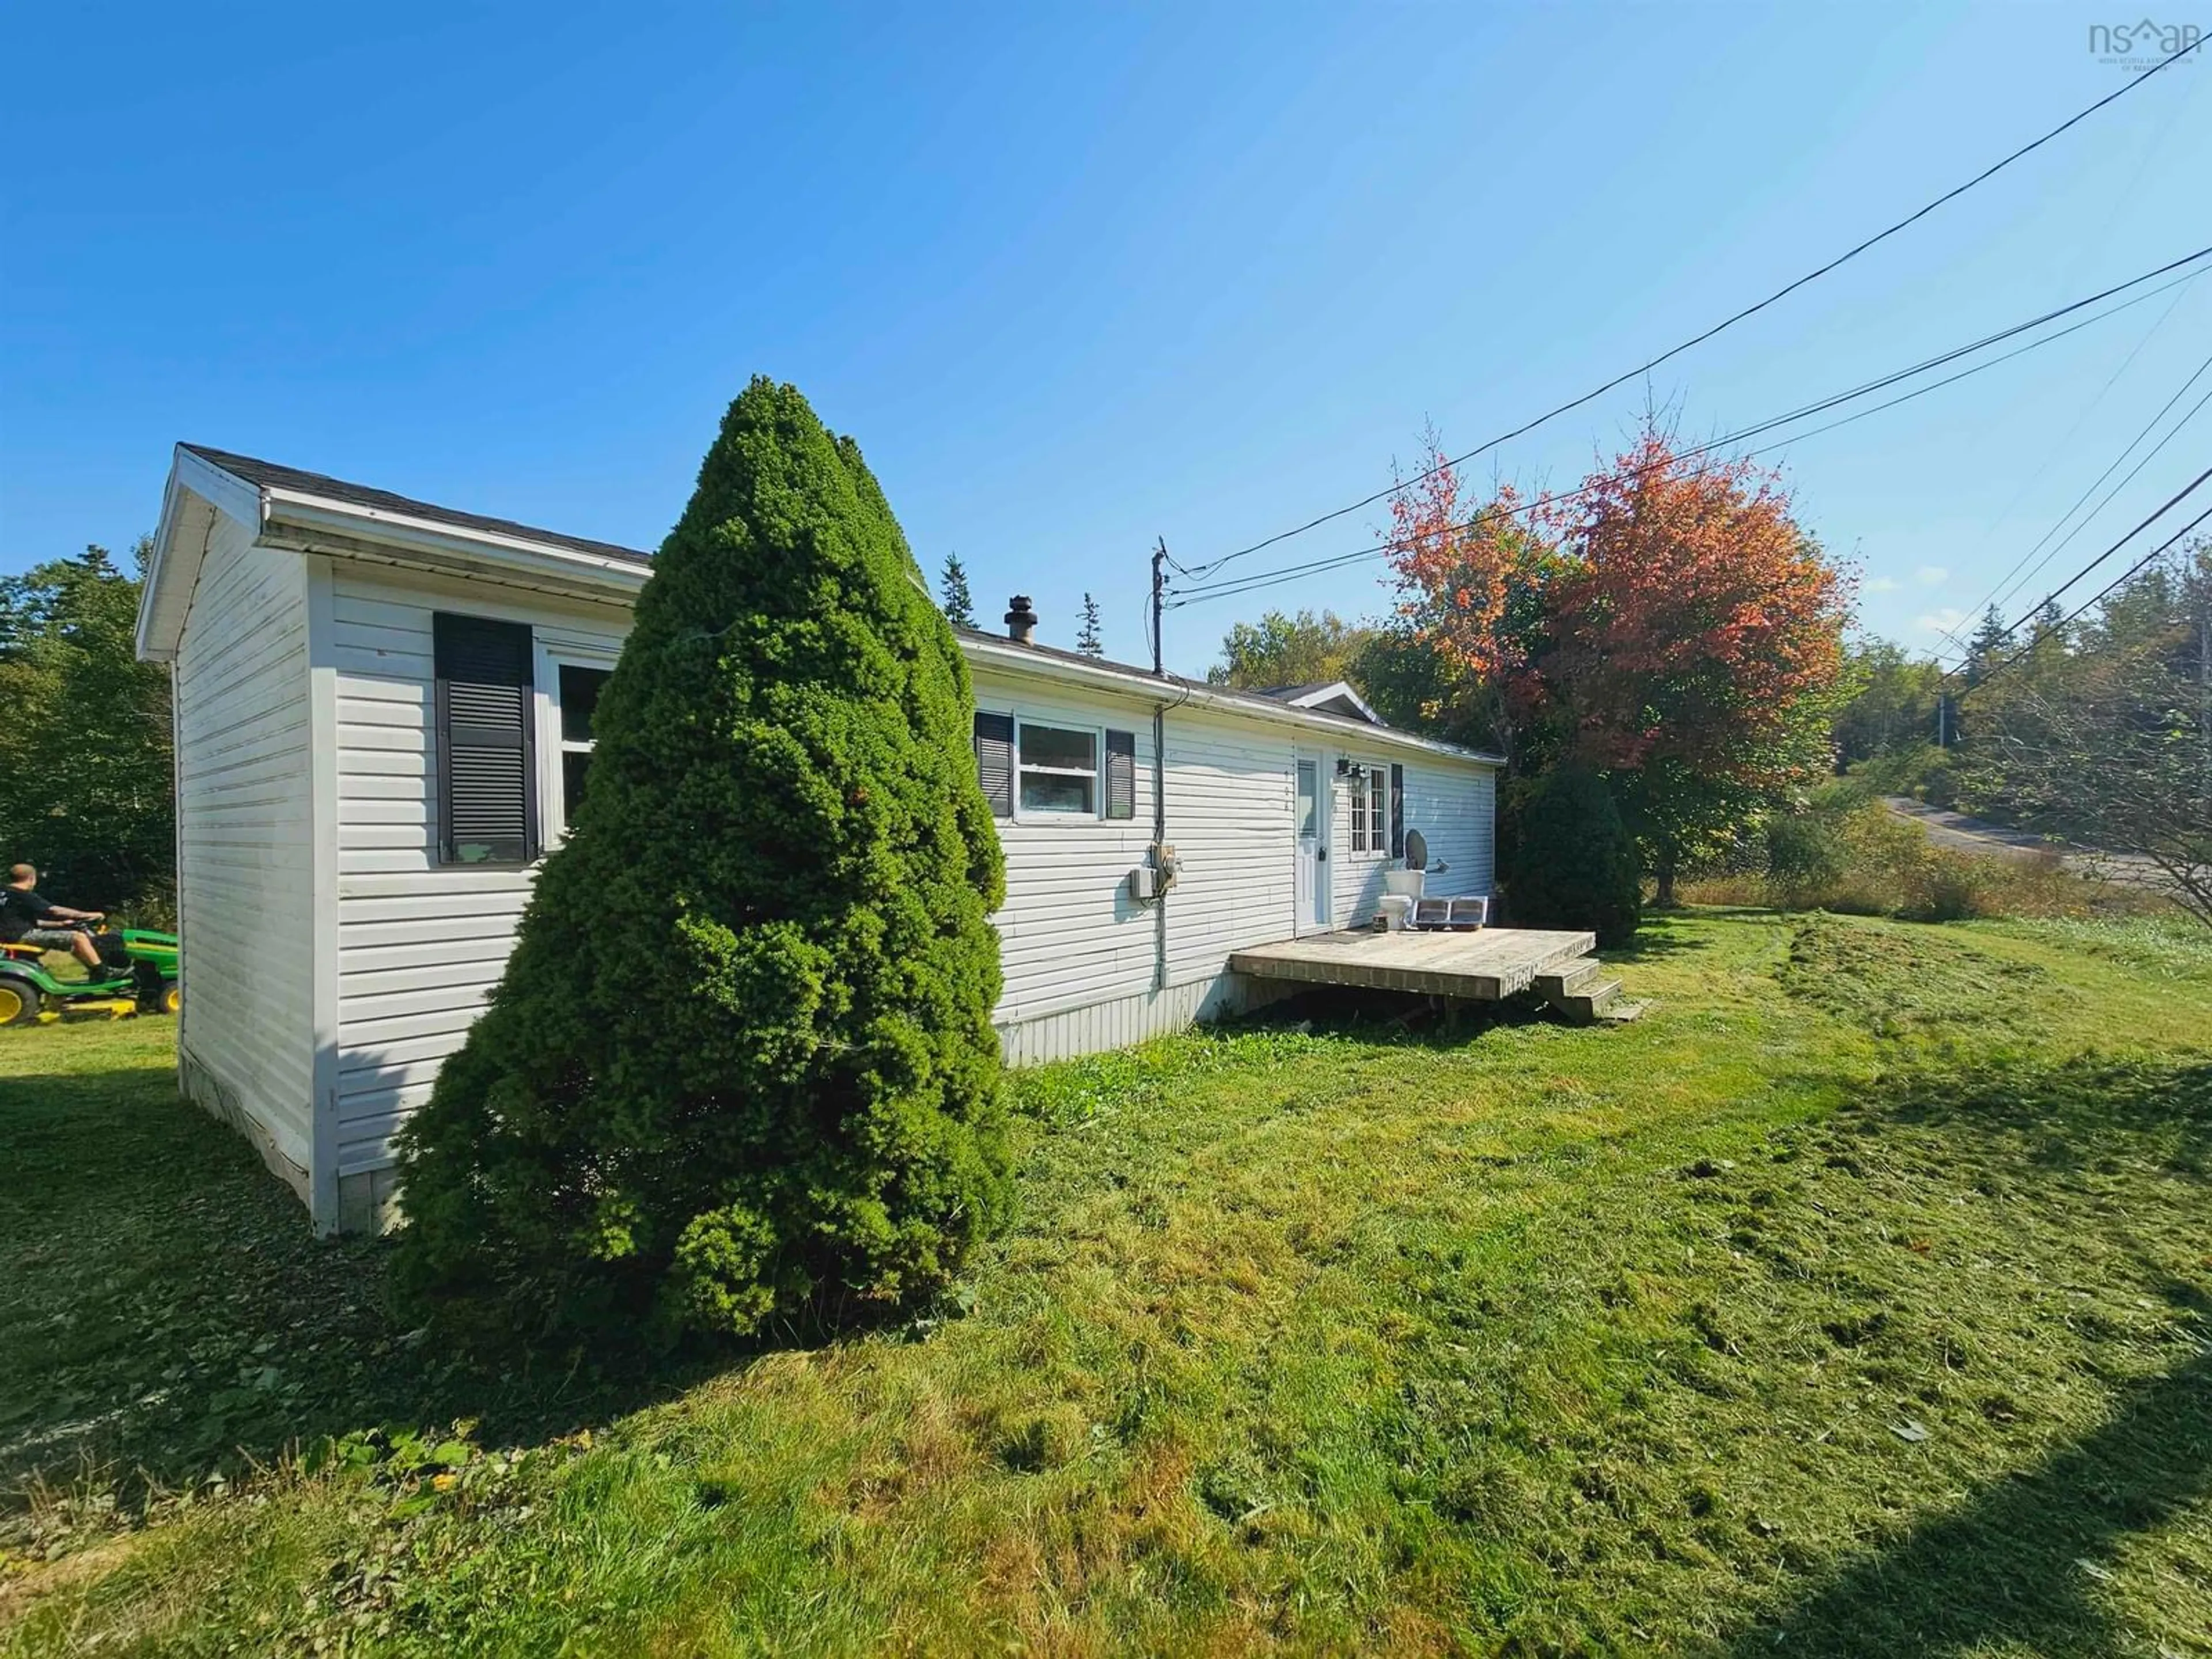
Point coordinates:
[(199, 1084), (368, 1200), (1139, 1016)]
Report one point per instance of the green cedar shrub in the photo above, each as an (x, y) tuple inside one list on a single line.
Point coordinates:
[(741, 1067), (1571, 862)]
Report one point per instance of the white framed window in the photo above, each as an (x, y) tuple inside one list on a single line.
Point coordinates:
[(1056, 770), (572, 678), (1371, 809)]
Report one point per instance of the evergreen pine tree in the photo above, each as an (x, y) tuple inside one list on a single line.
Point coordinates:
[(1086, 639), (959, 604), (741, 1064), (1988, 644), (1572, 862)]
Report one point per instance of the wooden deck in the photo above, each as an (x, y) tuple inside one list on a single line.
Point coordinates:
[(1488, 965)]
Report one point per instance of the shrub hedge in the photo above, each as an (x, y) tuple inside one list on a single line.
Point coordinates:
[(1571, 861)]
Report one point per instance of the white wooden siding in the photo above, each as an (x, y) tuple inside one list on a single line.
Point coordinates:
[(1069, 933), (420, 944), (244, 888), (1229, 820), (1455, 807)]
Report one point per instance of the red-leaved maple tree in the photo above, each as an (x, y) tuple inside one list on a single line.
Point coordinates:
[(1470, 577), (1696, 643), (1668, 624)]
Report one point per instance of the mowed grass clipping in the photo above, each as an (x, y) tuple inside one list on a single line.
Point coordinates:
[(1857, 1300)]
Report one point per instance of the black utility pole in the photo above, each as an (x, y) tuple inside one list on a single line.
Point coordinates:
[(1163, 856), (1159, 591)]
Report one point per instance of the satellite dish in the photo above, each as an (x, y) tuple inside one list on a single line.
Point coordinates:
[(1417, 851)]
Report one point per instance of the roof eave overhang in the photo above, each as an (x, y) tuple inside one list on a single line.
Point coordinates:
[(300, 522), (306, 522), (1012, 657), (196, 493), (312, 523)]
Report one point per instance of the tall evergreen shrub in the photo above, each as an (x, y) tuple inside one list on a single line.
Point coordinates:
[(741, 1065), (1571, 862)]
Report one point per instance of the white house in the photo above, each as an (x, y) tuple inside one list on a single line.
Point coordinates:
[(382, 707)]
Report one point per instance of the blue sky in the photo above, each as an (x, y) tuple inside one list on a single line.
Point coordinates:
[(1079, 276)]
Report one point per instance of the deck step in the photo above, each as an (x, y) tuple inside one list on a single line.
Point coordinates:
[(1589, 1001), (1567, 978), (1621, 1010)]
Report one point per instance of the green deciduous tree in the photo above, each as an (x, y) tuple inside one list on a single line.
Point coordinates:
[(85, 775), (1281, 650), (1891, 706), (2109, 745), (741, 1067)]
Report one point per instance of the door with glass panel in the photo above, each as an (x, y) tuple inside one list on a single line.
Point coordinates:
[(1309, 817)]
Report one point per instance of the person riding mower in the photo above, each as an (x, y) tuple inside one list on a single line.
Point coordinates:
[(133, 962), (137, 963)]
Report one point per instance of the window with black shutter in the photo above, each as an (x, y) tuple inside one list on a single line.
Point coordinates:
[(995, 761), (487, 792), (1397, 811), (1367, 826), (1120, 774)]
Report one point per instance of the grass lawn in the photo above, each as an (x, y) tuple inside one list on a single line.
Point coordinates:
[(1858, 1300)]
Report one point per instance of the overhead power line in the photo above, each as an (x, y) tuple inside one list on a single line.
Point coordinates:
[(1236, 585), (2016, 579), (2156, 514), (1726, 322), (2041, 469), (2098, 598)]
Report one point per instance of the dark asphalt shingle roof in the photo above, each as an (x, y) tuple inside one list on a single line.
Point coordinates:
[(1082, 657), (269, 475)]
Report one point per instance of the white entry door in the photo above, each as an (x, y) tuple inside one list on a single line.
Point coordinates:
[(1309, 807)]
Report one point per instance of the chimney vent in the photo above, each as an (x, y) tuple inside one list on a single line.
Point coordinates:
[(1021, 620)]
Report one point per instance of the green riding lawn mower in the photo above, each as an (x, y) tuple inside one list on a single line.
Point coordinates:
[(137, 975)]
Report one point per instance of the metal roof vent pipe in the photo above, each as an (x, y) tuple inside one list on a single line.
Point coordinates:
[(1021, 620)]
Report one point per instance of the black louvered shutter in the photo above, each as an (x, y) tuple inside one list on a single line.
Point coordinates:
[(995, 761), (1397, 811), (487, 748), (1120, 774)]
